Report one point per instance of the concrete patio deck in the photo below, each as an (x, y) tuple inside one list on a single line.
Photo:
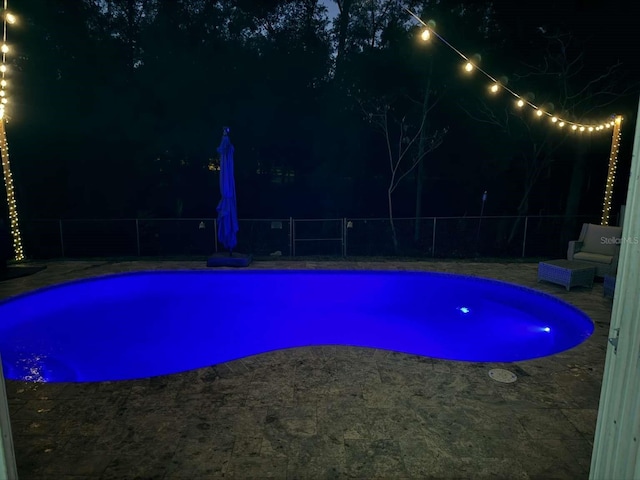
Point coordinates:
[(320, 412)]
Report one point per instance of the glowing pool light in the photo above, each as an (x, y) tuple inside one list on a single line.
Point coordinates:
[(153, 323)]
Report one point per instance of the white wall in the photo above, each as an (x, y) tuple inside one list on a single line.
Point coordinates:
[(616, 448), (8, 469)]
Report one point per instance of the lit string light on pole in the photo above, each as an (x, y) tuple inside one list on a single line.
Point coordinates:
[(612, 121), (8, 18), (611, 174)]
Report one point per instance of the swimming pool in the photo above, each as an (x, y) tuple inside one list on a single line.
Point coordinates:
[(144, 324)]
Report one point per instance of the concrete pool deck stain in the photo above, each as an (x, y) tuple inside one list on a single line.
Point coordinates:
[(320, 412)]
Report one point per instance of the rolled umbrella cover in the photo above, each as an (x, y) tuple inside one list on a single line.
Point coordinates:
[(227, 210)]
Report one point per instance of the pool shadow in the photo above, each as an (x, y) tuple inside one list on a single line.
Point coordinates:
[(11, 272), (226, 260)]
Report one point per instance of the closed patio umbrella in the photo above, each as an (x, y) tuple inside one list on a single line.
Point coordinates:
[(227, 210)]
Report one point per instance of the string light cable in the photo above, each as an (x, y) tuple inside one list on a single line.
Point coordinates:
[(520, 100)]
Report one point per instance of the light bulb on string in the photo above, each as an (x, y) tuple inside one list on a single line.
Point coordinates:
[(471, 62), (554, 119), (520, 103), (498, 83), (574, 127), (426, 33), (561, 124), (10, 18), (4, 48), (3, 68)]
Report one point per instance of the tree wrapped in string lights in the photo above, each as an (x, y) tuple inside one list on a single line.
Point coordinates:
[(8, 18), (611, 173)]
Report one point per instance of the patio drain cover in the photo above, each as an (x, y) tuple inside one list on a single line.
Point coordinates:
[(502, 376)]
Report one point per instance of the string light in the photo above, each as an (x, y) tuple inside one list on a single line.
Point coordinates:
[(616, 123), (469, 66), (611, 174), (4, 146)]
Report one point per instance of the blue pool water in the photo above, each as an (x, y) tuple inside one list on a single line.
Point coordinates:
[(152, 323)]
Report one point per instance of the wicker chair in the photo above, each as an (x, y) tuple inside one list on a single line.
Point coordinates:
[(598, 245)]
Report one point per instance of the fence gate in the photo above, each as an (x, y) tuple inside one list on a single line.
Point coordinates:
[(318, 237)]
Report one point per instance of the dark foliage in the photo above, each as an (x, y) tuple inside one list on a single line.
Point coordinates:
[(116, 105)]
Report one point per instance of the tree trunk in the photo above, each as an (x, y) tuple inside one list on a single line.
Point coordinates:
[(394, 236), (420, 173), (373, 25), (131, 37), (419, 184), (533, 172), (343, 28), (575, 193), (523, 207)]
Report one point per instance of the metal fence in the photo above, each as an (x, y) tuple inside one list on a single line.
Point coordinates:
[(437, 237)]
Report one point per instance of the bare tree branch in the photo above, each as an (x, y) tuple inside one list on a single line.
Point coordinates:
[(435, 140), (407, 139), (487, 115), (595, 81)]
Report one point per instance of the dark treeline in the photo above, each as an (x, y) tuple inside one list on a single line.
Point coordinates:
[(117, 107)]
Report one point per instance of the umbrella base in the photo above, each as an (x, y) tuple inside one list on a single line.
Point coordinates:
[(223, 259)]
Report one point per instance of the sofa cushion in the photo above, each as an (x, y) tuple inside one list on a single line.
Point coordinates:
[(593, 257), (602, 239)]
